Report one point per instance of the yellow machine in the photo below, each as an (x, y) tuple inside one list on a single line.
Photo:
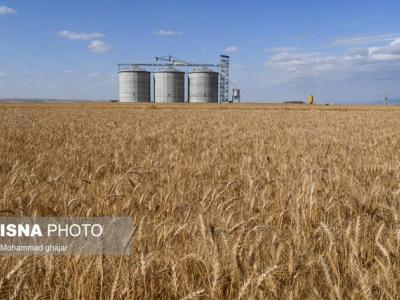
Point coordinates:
[(310, 99)]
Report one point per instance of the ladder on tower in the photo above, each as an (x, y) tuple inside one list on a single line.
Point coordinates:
[(224, 79)]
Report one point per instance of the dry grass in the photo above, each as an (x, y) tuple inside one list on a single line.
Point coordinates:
[(250, 202)]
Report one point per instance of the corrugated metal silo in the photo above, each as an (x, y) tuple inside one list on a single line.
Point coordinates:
[(203, 86), (169, 85), (134, 85)]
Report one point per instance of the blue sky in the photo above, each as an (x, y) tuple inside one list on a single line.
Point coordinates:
[(280, 50)]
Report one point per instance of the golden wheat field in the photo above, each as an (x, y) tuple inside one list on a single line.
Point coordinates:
[(229, 202)]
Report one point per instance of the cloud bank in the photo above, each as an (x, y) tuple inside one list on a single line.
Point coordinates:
[(377, 61)]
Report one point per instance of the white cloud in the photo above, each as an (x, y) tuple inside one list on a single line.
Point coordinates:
[(94, 75), (382, 61), (231, 49), (98, 46), (301, 64), (365, 40), (4, 10), (3, 74), (80, 36), (163, 32), (95, 45)]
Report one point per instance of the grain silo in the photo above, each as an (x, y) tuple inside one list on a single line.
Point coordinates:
[(134, 85), (169, 85), (203, 86)]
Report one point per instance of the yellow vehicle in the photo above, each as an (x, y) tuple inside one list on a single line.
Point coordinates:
[(310, 99)]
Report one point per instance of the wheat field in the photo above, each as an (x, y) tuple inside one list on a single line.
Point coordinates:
[(229, 202)]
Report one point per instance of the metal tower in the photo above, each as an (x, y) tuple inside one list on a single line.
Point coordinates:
[(224, 79)]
